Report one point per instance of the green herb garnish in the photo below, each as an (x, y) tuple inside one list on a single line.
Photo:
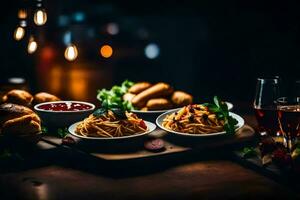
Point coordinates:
[(99, 112), (62, 132), (44, 129), (114, 98), (221, 110), (58, 132), (248, 152)]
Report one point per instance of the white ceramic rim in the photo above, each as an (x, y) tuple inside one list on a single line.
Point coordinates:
[(151, 127), (67, 111), (240, 124)]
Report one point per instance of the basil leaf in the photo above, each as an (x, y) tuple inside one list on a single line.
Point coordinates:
[(99, 112), (213, 108), (224, 108), (119, 113), (216, 101), (220, 108), (232, 121)]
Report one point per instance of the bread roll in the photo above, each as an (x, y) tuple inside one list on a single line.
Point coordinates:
[(18, 120), (180, 98), (139, 87), (44, 97), (158, 104), (20, 97), (25, 125), (157, 90), (10, 111)]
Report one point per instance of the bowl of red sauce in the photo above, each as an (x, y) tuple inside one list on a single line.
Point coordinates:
[(63, 113)]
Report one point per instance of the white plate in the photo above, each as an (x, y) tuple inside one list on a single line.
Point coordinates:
[(151, 127), (160, 118)]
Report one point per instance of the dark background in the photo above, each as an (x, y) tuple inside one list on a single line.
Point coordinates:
[(206, 47)]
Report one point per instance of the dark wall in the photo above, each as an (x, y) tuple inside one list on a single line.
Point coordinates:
[(206, 47)]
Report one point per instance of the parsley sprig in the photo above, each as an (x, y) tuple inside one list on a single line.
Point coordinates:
[(221, 110)]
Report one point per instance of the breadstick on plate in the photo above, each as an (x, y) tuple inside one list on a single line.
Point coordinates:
[(139, 87), (159, 104), (157, 90), (180, 98)]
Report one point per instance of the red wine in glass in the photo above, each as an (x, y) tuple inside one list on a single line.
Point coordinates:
[(289, 121), (267, 92), (267, 120)]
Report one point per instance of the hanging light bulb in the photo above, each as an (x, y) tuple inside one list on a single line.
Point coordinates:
[(19, 33), (32, 45), (71, 52), (40, 17), (22, 14)]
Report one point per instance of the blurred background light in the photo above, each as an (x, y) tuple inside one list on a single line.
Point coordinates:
[(106, 51), (40, 17), (22, 14), (79, 16), (71, 52), (67, 38), (23, 23), (112, 28), (32, 45), (16, 80), (63, 20), (152, 51), (19, 33)]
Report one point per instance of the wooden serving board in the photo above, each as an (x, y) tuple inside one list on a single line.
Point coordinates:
[(134, 148), (270, 170)]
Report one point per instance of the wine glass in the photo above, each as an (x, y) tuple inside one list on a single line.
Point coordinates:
[(267, 92), (289, 120)]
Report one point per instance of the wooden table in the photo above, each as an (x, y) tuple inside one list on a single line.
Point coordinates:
[(207, 175)]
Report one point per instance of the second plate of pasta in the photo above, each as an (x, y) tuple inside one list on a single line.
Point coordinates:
[(198, 123), (109, 126)]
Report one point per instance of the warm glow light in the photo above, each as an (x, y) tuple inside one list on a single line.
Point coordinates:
[(32, 45), (71, 52), (22, 14), (19, 33), (40, 17), (106, 51)]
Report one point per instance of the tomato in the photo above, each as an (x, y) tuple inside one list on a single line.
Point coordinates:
[(142, 124)]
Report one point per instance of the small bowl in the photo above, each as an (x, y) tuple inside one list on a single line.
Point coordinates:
[(62, 118)]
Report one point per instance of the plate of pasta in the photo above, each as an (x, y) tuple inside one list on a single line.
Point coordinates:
[(198, 120), (111, 125)]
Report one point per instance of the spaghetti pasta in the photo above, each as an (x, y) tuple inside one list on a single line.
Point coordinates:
[(108, 125), (194, 119)]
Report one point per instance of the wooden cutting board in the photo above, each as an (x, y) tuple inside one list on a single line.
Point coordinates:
[(134, 148)]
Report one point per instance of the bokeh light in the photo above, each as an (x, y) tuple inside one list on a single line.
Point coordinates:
[(106, 51), (152, 51)]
